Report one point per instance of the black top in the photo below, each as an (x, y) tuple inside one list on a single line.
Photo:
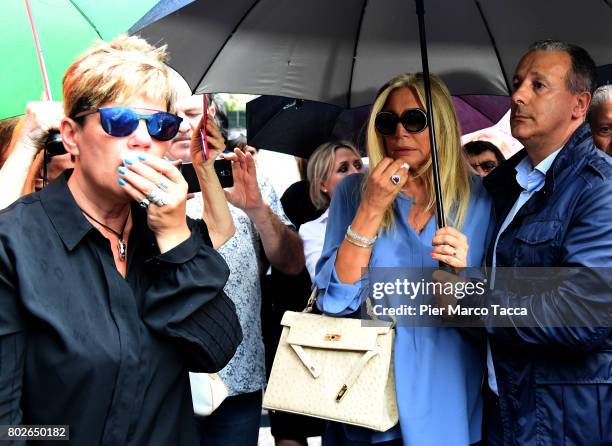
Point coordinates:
[(81, 345), (297, 204)]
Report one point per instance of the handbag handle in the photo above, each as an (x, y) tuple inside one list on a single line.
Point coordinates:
[(348, 381), (312, 300)]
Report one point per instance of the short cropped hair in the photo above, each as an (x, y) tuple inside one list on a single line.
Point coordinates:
[(236, 138), (583, 75), (117, 71), (477, 147), (320, 166), (602, 95)]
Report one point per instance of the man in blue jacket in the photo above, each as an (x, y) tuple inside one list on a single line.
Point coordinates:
[(550, 383)]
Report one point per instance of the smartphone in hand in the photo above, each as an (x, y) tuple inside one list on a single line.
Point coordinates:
[(203, 129), (223, 168)]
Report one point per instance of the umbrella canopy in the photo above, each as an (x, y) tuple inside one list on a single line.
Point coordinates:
[(477, 112), (342, 51), (291, 126), (297, 127), (65, 28)]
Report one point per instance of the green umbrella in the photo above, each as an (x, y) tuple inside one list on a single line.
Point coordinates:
[(65, 28)]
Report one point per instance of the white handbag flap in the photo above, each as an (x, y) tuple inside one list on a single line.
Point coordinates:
[(319, 331)]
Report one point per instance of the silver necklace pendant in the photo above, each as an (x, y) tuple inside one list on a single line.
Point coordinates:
[(121, 246)]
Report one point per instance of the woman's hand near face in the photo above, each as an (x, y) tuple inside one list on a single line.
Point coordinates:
[(143, 174), (215, 212), (379, 193), (380, 190), (450, 247), (214, 139)]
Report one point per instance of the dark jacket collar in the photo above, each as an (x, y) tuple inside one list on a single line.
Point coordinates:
[(66, 216), (63, 211), (502, 181)]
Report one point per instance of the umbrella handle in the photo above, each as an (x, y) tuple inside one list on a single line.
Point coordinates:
[(440, 219), (41, 59)]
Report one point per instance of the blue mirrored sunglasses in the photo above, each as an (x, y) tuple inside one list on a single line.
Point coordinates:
[(123, 121)]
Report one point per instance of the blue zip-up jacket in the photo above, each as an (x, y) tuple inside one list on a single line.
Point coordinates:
[(555, 381)]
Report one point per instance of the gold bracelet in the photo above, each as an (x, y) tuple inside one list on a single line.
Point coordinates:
[(356, 243)]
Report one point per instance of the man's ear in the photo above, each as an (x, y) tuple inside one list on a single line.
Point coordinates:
[(583, 100), (69, 131)]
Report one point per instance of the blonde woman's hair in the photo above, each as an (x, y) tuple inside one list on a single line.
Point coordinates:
[(117, 71), (320, 166), (454, 179)]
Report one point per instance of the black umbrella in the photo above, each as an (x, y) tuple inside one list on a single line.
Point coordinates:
[(341, 51), (297, 127)]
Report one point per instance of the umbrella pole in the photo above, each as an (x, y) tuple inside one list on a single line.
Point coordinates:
[(41, 60), (440, 219), (45, 78), (420, 10)]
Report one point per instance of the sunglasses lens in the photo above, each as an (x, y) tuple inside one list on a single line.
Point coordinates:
[(122, 121), (414, 120), (488, 166), (163, 126), (118, 121), (385, 123)]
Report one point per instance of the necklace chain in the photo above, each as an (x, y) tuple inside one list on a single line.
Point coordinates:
[(121, 245)]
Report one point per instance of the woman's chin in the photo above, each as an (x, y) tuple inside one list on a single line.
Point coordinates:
[(412, 157)]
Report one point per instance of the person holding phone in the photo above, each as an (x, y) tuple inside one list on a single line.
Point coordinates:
[(22, 172), (258, 217), (107, 290)]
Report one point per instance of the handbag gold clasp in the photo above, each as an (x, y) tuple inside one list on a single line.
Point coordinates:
[(332, 337), (341, 393)]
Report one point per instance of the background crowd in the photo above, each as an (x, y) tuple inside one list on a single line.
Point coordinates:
[(115, 282)]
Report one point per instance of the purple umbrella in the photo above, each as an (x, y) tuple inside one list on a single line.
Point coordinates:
[(477, 112)]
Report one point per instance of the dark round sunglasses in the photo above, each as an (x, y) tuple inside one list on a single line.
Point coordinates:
[(123, 121), (414, 120)]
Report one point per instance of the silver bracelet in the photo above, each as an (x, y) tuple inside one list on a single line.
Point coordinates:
[(356, 243), (360, 238)]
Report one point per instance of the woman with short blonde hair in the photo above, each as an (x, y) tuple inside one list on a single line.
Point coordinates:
[(109, 295), (320, 166), (327, 166)]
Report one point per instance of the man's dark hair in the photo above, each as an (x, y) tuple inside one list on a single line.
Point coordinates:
[(583, 75), (477, 147)]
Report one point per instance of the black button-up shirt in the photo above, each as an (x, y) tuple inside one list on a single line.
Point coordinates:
[(81, 345)]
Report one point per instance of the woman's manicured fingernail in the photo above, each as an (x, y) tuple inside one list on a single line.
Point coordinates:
[(121, 170), (142, 157), (128, 161), (121, 181)]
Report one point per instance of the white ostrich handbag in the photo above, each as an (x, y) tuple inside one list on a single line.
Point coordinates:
[(337, 369)]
